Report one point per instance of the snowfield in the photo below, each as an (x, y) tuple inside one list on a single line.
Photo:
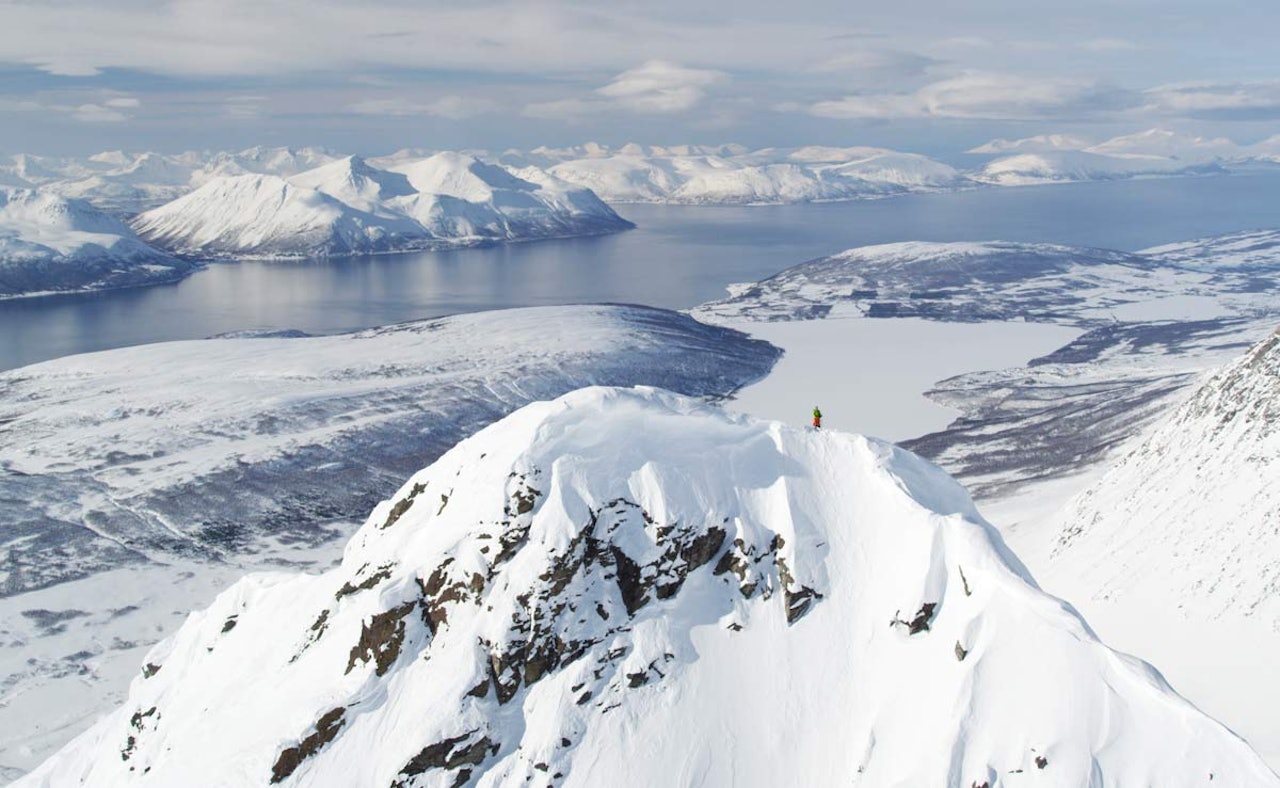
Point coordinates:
[(349, 207), (627, 572), (51, 244)]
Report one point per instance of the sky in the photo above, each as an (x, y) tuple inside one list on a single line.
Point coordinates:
[(80, 76)]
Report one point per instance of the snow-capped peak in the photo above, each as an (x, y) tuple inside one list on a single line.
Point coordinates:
[(353, 181), (461, 175), (348, 207), (628, 582)]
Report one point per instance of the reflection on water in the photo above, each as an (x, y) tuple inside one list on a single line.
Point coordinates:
[(678, 257)]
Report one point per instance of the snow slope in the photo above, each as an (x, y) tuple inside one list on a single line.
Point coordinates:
[(136, 479), (1199, 498), (48, 243), (349, 207), (626, 582)]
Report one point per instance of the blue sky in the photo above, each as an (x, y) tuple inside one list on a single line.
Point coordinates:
[(78, 76)]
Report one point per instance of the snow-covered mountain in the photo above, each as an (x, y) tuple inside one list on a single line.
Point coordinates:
[(349, 207), (1070, 166), (1192, 515), (138, 482), (1154, 152), (626, 582), (732, 175), (52, 244)]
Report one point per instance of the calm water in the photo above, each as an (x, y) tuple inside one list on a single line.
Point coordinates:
[(678, 257)]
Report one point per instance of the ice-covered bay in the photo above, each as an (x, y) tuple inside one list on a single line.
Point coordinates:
[(872, 376)]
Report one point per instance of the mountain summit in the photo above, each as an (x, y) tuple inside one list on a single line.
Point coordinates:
[(627, 586)]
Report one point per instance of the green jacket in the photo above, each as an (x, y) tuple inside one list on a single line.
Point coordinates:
[(817, 414)]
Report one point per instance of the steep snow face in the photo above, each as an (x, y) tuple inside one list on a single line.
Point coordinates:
[(350, 207), (48, 243), (621, 572), (1192, 515)]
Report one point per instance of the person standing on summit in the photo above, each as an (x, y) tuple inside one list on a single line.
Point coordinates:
[(817, 418)]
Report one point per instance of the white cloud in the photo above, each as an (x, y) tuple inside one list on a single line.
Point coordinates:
[(97, 113), (1246, 99), (657, 87), (982, 96), (101, 110), (876, 62), (449, 107), (660, 87)]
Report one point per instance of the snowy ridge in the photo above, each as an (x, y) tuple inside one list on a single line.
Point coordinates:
[(349, 207), (48, 243), (1155, 152), (736, 176), (622, 572), (1199, 498)]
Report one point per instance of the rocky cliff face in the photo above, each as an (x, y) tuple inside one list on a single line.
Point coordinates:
[(630, 586)]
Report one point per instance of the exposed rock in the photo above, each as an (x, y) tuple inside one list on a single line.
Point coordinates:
[(326, 729)]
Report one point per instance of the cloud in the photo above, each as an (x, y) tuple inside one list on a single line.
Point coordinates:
[(983, 96), (448, 107), (102, 110), (86, 38), (878, 63), (1221, 101), (98, 113), (661, 87), (655, 88)]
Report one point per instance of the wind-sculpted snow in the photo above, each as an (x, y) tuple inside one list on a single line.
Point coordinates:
[(629, 586), (1199, 498), (349, 207), (51, 244), (215, 447)]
